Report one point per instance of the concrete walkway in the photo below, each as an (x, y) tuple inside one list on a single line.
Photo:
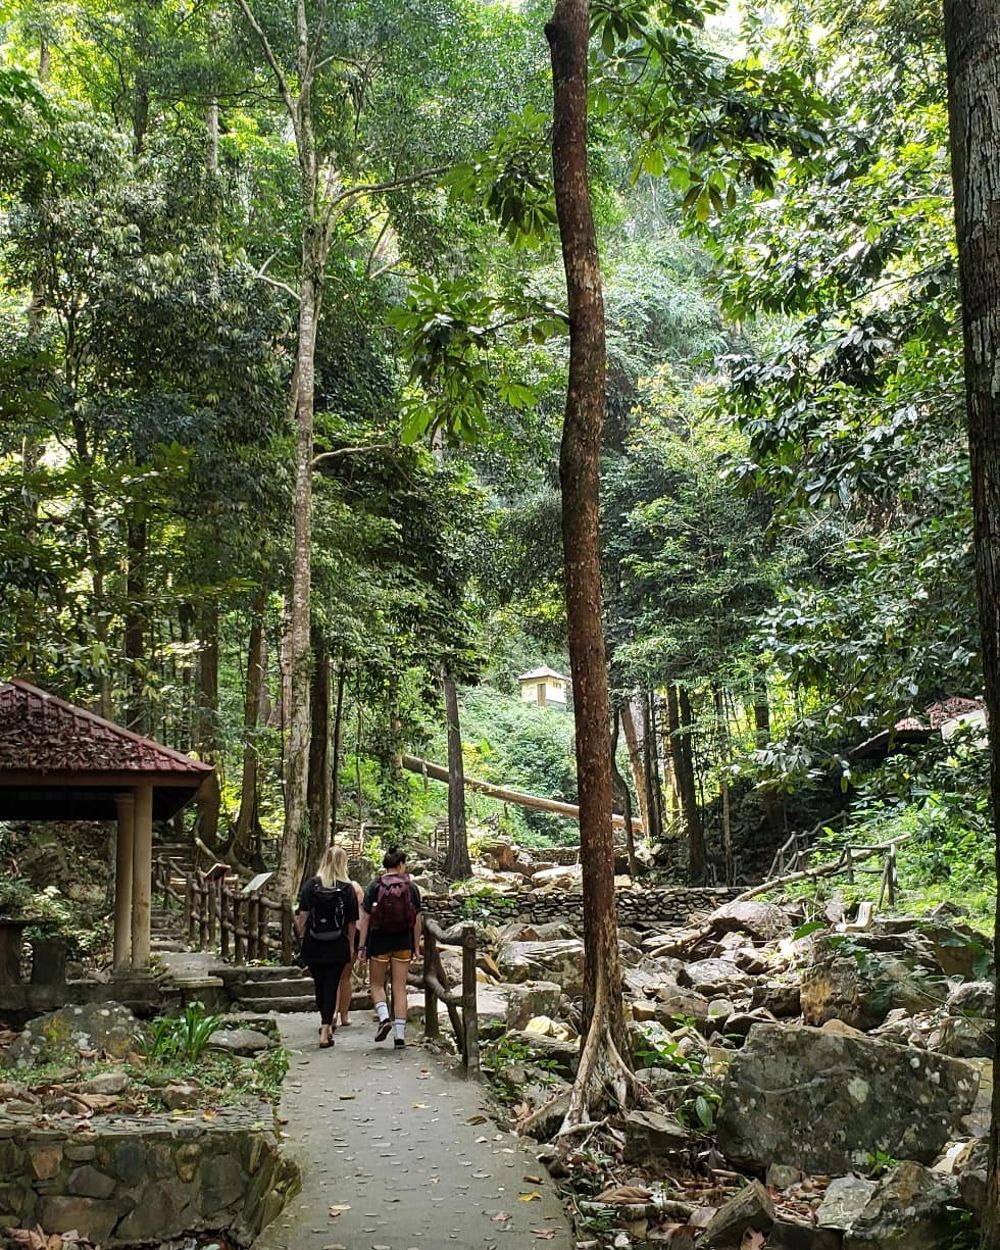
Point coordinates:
[(403, 1151)]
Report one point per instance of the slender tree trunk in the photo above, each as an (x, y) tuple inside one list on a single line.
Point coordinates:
[(722, 728), (568, 34), (679, 720), (135, 622), (972, 38), (635, 761), (320, 773), (652, 746), (209, 800), (338, 747), (457, 864), (245, 844), (621, 788)]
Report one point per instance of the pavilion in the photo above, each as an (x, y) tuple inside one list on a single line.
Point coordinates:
[(60, 762)]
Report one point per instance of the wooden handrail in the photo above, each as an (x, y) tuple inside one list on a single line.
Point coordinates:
[(465, 1022)]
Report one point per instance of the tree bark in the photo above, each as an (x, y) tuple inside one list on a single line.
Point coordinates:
[(568, 34), (505, 795), (245, 844), (457, 864), (621, 789), (338, 748), (651, 759), (209, 800), (722, 728), (135, 633), (679, 721), (320, 773), (972, 40), (635, 759)]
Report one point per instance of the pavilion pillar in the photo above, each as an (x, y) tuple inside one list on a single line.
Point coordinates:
[(123, 879), (142, 875)]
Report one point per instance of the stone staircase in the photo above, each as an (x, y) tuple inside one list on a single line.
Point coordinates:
[(269, 988)]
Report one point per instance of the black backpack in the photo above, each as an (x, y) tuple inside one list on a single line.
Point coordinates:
[(328, 913)]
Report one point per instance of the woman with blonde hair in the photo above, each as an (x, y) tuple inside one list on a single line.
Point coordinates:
[(340, 868), (326, 920)]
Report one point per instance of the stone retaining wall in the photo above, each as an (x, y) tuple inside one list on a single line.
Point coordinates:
[(128, 1181), (669, 905)]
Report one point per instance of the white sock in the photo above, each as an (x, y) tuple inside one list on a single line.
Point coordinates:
[(399, 1027), (382, 1011)]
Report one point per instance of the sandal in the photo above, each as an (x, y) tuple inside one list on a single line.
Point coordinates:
[(327, 1044)]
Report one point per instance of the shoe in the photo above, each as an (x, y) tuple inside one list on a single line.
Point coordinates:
[(399, 1043), (383, 1030)]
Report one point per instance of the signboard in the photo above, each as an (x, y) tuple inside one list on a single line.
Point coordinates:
[(257, 883)]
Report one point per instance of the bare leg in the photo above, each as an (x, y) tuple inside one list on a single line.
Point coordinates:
[(400, 968), (376, 973)]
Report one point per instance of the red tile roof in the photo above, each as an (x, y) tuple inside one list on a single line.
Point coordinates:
[(41, 733)]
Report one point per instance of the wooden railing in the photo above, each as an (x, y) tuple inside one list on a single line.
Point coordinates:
[(463, 1004), (848, 862), (220, 916)]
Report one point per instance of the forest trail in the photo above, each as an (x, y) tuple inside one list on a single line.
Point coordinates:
[(406, 1148)]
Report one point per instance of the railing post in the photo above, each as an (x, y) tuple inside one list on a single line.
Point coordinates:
[(225, 927), (891, 874), (253, 918), (189, 909), (850, 865), (213, 913), (432, 1026), (286, 931), (204, 889), (470, 1000), (239, 931)]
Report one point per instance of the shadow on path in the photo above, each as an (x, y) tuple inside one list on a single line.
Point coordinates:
[(405, 1146)]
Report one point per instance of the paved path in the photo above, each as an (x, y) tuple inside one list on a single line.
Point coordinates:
[(404, 1145)]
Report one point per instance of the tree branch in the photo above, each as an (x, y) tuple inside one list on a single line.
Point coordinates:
[(326, 456), (272, 60), (379, 188)]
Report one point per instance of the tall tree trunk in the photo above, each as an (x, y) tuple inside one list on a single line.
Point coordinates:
[(651, 753), (621, 789), (338, 747), (568, 34), (722, 729), (209, 801), (679, 721), (135, 623), (320, 774), (972, 38), (635, 760), (457, 864), (245, 847)]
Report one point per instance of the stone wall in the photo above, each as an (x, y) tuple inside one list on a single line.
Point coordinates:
[(143, 994), (640, 909), (128, 1181)]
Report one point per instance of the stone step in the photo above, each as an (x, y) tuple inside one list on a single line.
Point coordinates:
[(265, 972), (264, 1005), (167, 944), (293, 987)]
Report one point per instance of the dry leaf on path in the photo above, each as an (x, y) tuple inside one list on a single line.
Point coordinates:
[(534, 1196), (753, 1240), (532, 1180), (501, 1217), (544, 1234), (476, 1119), (625, 1194), (339, 1210)]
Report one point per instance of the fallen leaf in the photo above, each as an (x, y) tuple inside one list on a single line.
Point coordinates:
[(534, 1196), (419, 1106), (209, 1113), (625, 1194), (544, 1234), (339, 1210), (423, 1074), (532, 1180), (476, 1119), (501, 1217), (752, 1240)]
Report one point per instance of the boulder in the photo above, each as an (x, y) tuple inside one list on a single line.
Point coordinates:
[(532, 998), (90, 1029), (964, 1037), (911, 1209), (970, 1167), (824, 1101), (181, 1095), (714, 978), (246, 1042), (560, 961), (561, 877), (650, 1137), (845, 1199), (763, 921), (972, 998), (748, 1209), (558, 1055), (105, 1083), (777, 997), (859, 986)]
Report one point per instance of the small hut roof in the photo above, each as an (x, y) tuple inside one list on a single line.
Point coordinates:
[(536, 674), (58, 761)]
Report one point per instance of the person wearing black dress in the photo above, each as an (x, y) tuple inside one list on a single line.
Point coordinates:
[(326, 919)]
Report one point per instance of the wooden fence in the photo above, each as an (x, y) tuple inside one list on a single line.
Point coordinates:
[(218, 914), (462, 1004)]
